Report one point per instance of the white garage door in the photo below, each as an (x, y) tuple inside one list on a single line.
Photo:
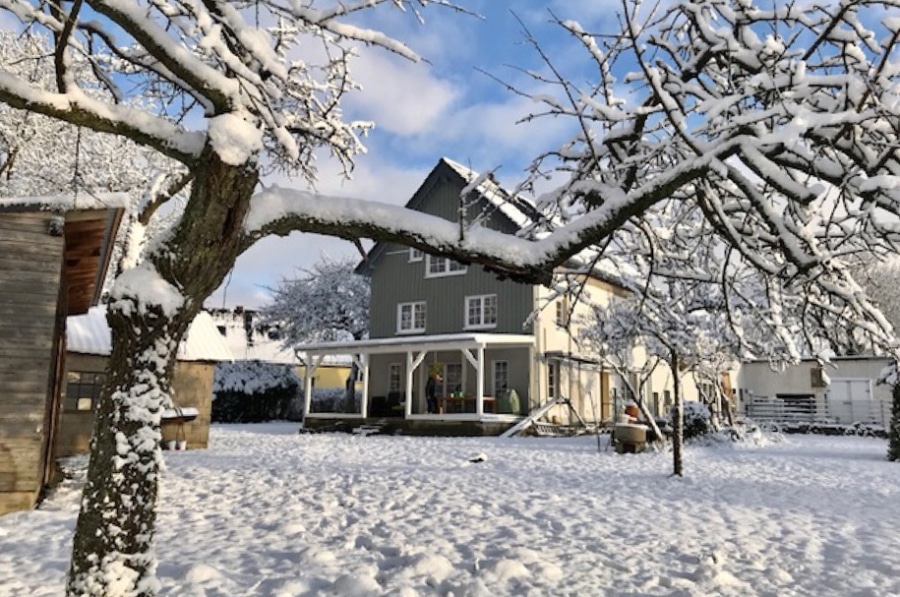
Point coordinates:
[(850, 401)]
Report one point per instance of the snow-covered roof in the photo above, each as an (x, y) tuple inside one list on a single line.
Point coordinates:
[(417, 343), (67, 202), (230, 327), (90, 334), (520, 210)]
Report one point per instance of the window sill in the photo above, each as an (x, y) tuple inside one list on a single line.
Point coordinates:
[(410, 332), (444, 274), (490, 326)]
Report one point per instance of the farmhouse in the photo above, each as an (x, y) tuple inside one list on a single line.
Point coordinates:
[(502, 350)]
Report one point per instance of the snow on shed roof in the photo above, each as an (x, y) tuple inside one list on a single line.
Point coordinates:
[(90, 334), (67, 202)]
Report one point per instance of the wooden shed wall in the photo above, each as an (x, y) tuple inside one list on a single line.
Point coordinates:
[(192, 387), (30, 272)]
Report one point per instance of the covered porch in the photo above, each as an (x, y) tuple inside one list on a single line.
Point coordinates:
[(485, 379)]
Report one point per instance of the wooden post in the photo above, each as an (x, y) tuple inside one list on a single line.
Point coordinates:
[(479, 383)]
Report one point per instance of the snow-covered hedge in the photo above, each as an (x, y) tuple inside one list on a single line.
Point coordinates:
[(250, 392), (697, 419)]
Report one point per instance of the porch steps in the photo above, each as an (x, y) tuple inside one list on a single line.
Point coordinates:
[(531, 418)]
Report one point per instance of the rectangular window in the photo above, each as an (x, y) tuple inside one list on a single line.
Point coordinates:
[(410, 317), (452, 378), (481, 311), (562, 314), (415, 255), (553, 379), (394, 377), (83, 390), (442, 266), (500, 377)]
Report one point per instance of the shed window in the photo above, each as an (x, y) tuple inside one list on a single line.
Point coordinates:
[(83, 390)]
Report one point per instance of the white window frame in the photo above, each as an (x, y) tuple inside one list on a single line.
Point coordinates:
[(415, 254), (553, 379), (414, 307), (494, 370), (448, 267), (482, 324)]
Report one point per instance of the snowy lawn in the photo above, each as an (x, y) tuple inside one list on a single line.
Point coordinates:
[(268, 512)]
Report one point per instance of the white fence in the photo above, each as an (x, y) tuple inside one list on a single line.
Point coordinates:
[(869, 411)]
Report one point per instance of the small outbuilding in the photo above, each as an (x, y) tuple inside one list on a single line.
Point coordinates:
[(54, 254), (89, 346)]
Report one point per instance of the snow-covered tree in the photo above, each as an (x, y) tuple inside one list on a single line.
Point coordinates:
[(777, 122), (41, 156), (328, 302)]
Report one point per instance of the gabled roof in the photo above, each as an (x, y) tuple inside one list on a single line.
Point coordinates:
[(519, 210), (90, 334)]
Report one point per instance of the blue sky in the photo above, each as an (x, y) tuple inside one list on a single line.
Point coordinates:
[(427, 110)]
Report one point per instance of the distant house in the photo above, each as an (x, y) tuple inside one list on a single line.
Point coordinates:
[(250, 340), (844, 392), (54, 254), (88, 349), (503, 349)]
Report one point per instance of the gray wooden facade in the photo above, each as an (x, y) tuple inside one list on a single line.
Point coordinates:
[(51, 265), (395, 279)]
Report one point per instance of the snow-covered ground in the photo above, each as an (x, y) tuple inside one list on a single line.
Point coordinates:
[(268, 512)]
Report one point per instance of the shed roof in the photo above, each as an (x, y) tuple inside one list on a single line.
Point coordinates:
[(88, 223), (90, 334)]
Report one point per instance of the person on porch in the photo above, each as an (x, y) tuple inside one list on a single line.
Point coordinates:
[(431, 392)]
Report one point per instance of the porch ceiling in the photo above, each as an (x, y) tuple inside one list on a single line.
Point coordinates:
[(418, 343)]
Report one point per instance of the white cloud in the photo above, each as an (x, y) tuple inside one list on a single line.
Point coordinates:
[(402, 97)]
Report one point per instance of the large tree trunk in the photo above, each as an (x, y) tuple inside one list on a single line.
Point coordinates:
[(113, 552), (894, 433), (678, 422)]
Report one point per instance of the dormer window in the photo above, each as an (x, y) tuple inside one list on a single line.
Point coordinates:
[(442, 266)]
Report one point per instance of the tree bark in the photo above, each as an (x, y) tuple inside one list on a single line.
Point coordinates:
[(113, 552), (894, 433), (678, 420)]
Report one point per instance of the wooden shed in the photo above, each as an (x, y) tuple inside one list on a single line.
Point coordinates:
[(54, 254), (88, 349)]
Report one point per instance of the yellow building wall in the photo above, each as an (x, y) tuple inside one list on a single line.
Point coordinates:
[(327, 376)]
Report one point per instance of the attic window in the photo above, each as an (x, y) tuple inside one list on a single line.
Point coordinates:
[(442, 266)]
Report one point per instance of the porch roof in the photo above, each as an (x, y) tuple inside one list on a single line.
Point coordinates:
[(417, 343)]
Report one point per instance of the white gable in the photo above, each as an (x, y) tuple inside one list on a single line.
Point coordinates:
[(89, 334)]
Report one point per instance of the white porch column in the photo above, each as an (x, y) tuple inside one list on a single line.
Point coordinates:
[(411, 365), (365, 397), (479, 383), (311, 366)]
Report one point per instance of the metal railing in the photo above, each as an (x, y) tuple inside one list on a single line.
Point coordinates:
[(869, 412)]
